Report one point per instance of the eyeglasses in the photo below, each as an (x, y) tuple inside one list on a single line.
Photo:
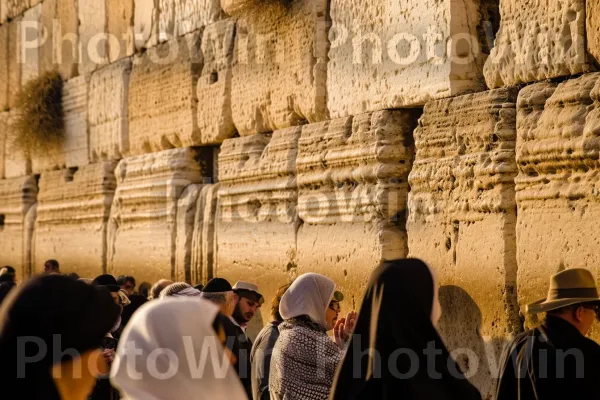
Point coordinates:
[(335, 306), (594, 308)]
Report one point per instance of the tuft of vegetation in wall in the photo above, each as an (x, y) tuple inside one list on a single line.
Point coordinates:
[(39, 123)]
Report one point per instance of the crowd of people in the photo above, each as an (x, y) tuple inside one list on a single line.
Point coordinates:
[(66, 337)]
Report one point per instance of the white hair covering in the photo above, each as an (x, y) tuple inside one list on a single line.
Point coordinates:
[(174, 340), (310, 294)]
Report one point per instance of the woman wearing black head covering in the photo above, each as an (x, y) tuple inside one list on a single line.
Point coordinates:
[(397, 313), (65, 317)]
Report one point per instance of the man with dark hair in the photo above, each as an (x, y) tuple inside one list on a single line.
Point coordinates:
[(260, 357), (556, 360), (51, 267), (249, 301), (127, 284)]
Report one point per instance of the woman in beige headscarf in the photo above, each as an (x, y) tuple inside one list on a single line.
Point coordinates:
[(173, 349)]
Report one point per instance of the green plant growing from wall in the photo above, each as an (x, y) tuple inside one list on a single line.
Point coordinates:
[(39, 120)]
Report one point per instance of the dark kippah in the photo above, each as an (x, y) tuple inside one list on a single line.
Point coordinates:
[(108, 281), (217, 285)]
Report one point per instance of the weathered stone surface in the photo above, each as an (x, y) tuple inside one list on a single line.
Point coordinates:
[(593, 28), (204, 239), (47, 17), (162, 97), (72, 218), (3, 67), (215, 120), (17, 196), (558, 154), (143, 217), (462, 216), (280, 73), (120, 15), (16, 162), (180, 17), (30, 54), (66, 53), (145, 23), (257, 219), (14, 8), (107, 111), (352, 188), (14, 66), (538, 41), (186, 214), (3, 134), (391, 54), (92, 34), (74, 151)]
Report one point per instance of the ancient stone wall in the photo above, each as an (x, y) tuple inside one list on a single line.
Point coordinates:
[(259, 140)]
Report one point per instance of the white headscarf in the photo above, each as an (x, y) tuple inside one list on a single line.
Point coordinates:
[(177, 354), (310, 294)]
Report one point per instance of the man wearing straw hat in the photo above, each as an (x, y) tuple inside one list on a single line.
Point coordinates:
[(556, 360)]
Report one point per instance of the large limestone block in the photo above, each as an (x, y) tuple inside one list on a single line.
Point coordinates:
[(17, 196), (215, 120), (31, 41), (204, 239), (92, 34), (186, 228), (143, 218), (537, 41), (120, 15), (4, 67), (257, 219), (47, 21), (16, 162), (66, 48), (3, 134), (108, 113), (593, 28), (280, 73), (72, 218), (74, 150), (462, 218), (180, 17), (162, 96), (558, 154), (145, 23), (14, 65), (352, 188), (392, 54)]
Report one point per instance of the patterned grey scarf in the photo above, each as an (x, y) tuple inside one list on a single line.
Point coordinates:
[(304, 361)]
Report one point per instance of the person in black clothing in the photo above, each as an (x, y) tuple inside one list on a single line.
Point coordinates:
[(8, 274), (387, 357), (70, 319), (103, 389), (556, 360)]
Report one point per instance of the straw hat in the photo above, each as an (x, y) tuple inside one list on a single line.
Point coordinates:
[(567, 288)]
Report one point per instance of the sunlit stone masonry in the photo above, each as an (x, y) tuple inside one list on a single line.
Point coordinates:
[(462, 217), (542, 40), (72, 218), (17, 215), (352, 188), (391, 54), (257, 218), (142, 226), (280, 68), (558, 154)]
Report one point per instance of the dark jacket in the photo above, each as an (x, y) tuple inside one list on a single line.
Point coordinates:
[(241, 346), (103, 390), (553, 361), (260, 358)]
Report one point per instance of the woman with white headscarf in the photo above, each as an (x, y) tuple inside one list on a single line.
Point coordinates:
[(173, 349), (304, 358)]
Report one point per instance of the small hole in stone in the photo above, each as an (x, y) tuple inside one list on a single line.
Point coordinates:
[(214, 77), (2, 216), (70, 174)]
